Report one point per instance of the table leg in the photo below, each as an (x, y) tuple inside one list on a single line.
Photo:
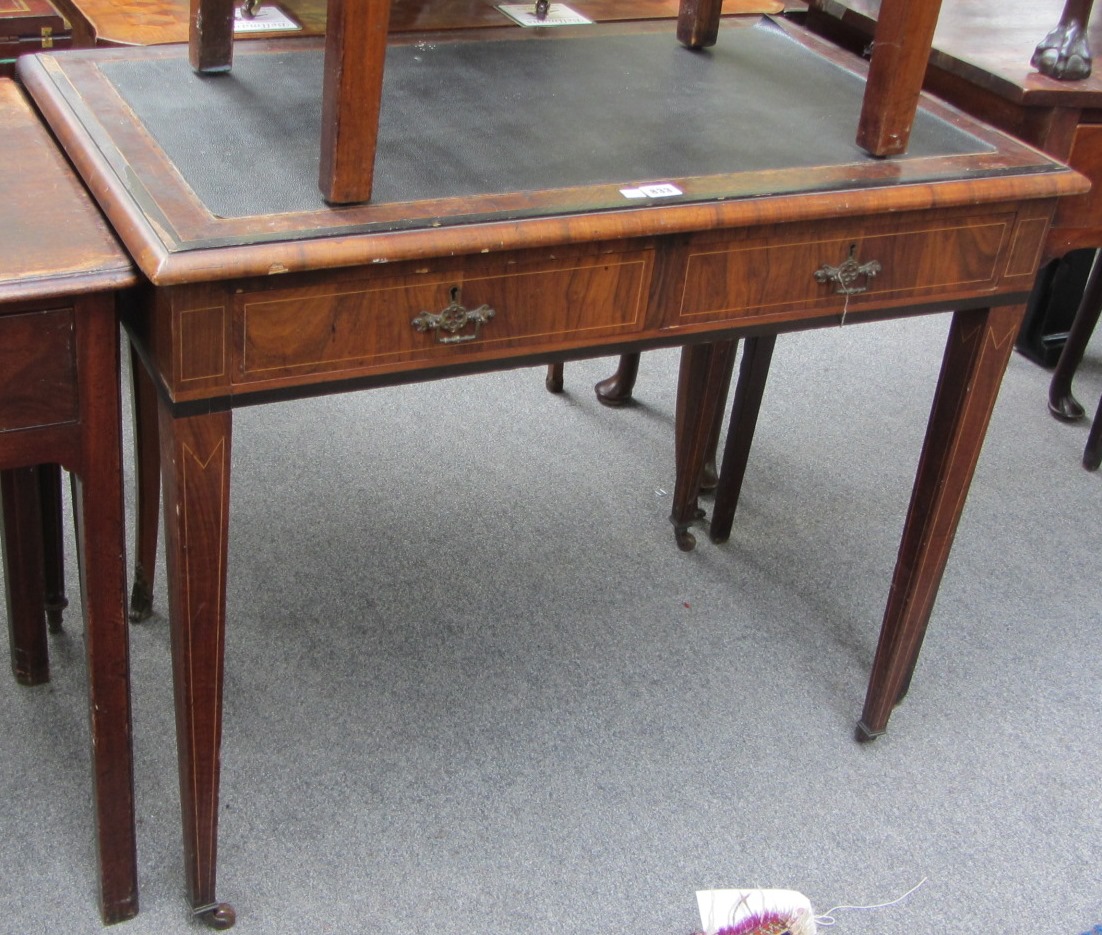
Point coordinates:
[(195, 466), (101, 543), (554, 379), (976, 354), (53, 544), (703, 382), (148, 492), (612, 391), (1092, 452), (616, 389), (23, 575), (1061, 402), (757, 353)]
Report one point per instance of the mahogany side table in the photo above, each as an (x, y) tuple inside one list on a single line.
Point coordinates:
[(60, 270)]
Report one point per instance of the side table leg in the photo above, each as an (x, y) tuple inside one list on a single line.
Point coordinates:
[(23, 575), (148, 472), (976, 354), (53, 544), (195, 465), (102, 549), (703, 381)]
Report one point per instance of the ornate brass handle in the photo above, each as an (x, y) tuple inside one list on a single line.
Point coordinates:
[(846, 275), (452, 319)]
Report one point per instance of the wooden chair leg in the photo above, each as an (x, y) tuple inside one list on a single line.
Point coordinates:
[(53, 544), (23, 575)]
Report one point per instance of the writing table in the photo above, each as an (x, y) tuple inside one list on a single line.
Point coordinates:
[(612, 192), (60, 268)]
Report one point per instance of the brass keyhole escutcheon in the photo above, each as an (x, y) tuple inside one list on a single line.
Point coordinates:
[(453, 319), (846, 275)]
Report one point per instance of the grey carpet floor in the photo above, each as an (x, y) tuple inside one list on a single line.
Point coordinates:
[(472, 686)]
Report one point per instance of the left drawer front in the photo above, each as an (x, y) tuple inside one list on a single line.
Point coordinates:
[(37, 370), (365, 326)]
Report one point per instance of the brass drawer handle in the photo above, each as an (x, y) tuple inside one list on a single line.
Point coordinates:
[(846, 275), (452, 319)]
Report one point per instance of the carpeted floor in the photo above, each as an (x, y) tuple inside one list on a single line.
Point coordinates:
[(473, 687)]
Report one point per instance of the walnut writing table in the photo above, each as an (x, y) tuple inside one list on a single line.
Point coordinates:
[(59, 404), (658, 197)]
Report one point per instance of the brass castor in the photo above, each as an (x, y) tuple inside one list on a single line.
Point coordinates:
[(217, 916)]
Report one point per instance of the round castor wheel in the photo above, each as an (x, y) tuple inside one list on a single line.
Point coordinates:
[(218, 916)]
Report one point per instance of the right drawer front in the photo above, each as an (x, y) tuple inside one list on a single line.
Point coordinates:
[(771, 279)]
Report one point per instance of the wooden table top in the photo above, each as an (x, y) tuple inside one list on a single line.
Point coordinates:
[(199, 219), (989, 43), (41, 197), (156, 22)]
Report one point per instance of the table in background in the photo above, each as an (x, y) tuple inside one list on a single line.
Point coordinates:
[(59, 404), (29, 26), (158, 22), (980, 63), (633, 222)]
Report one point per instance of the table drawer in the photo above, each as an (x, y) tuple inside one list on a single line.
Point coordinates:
[(788, 275), (434, 315), (38, 384)]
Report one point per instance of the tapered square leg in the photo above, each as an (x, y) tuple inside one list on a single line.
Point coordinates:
[(195, 465), (23, 575), (976, 354), (101, 544)]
